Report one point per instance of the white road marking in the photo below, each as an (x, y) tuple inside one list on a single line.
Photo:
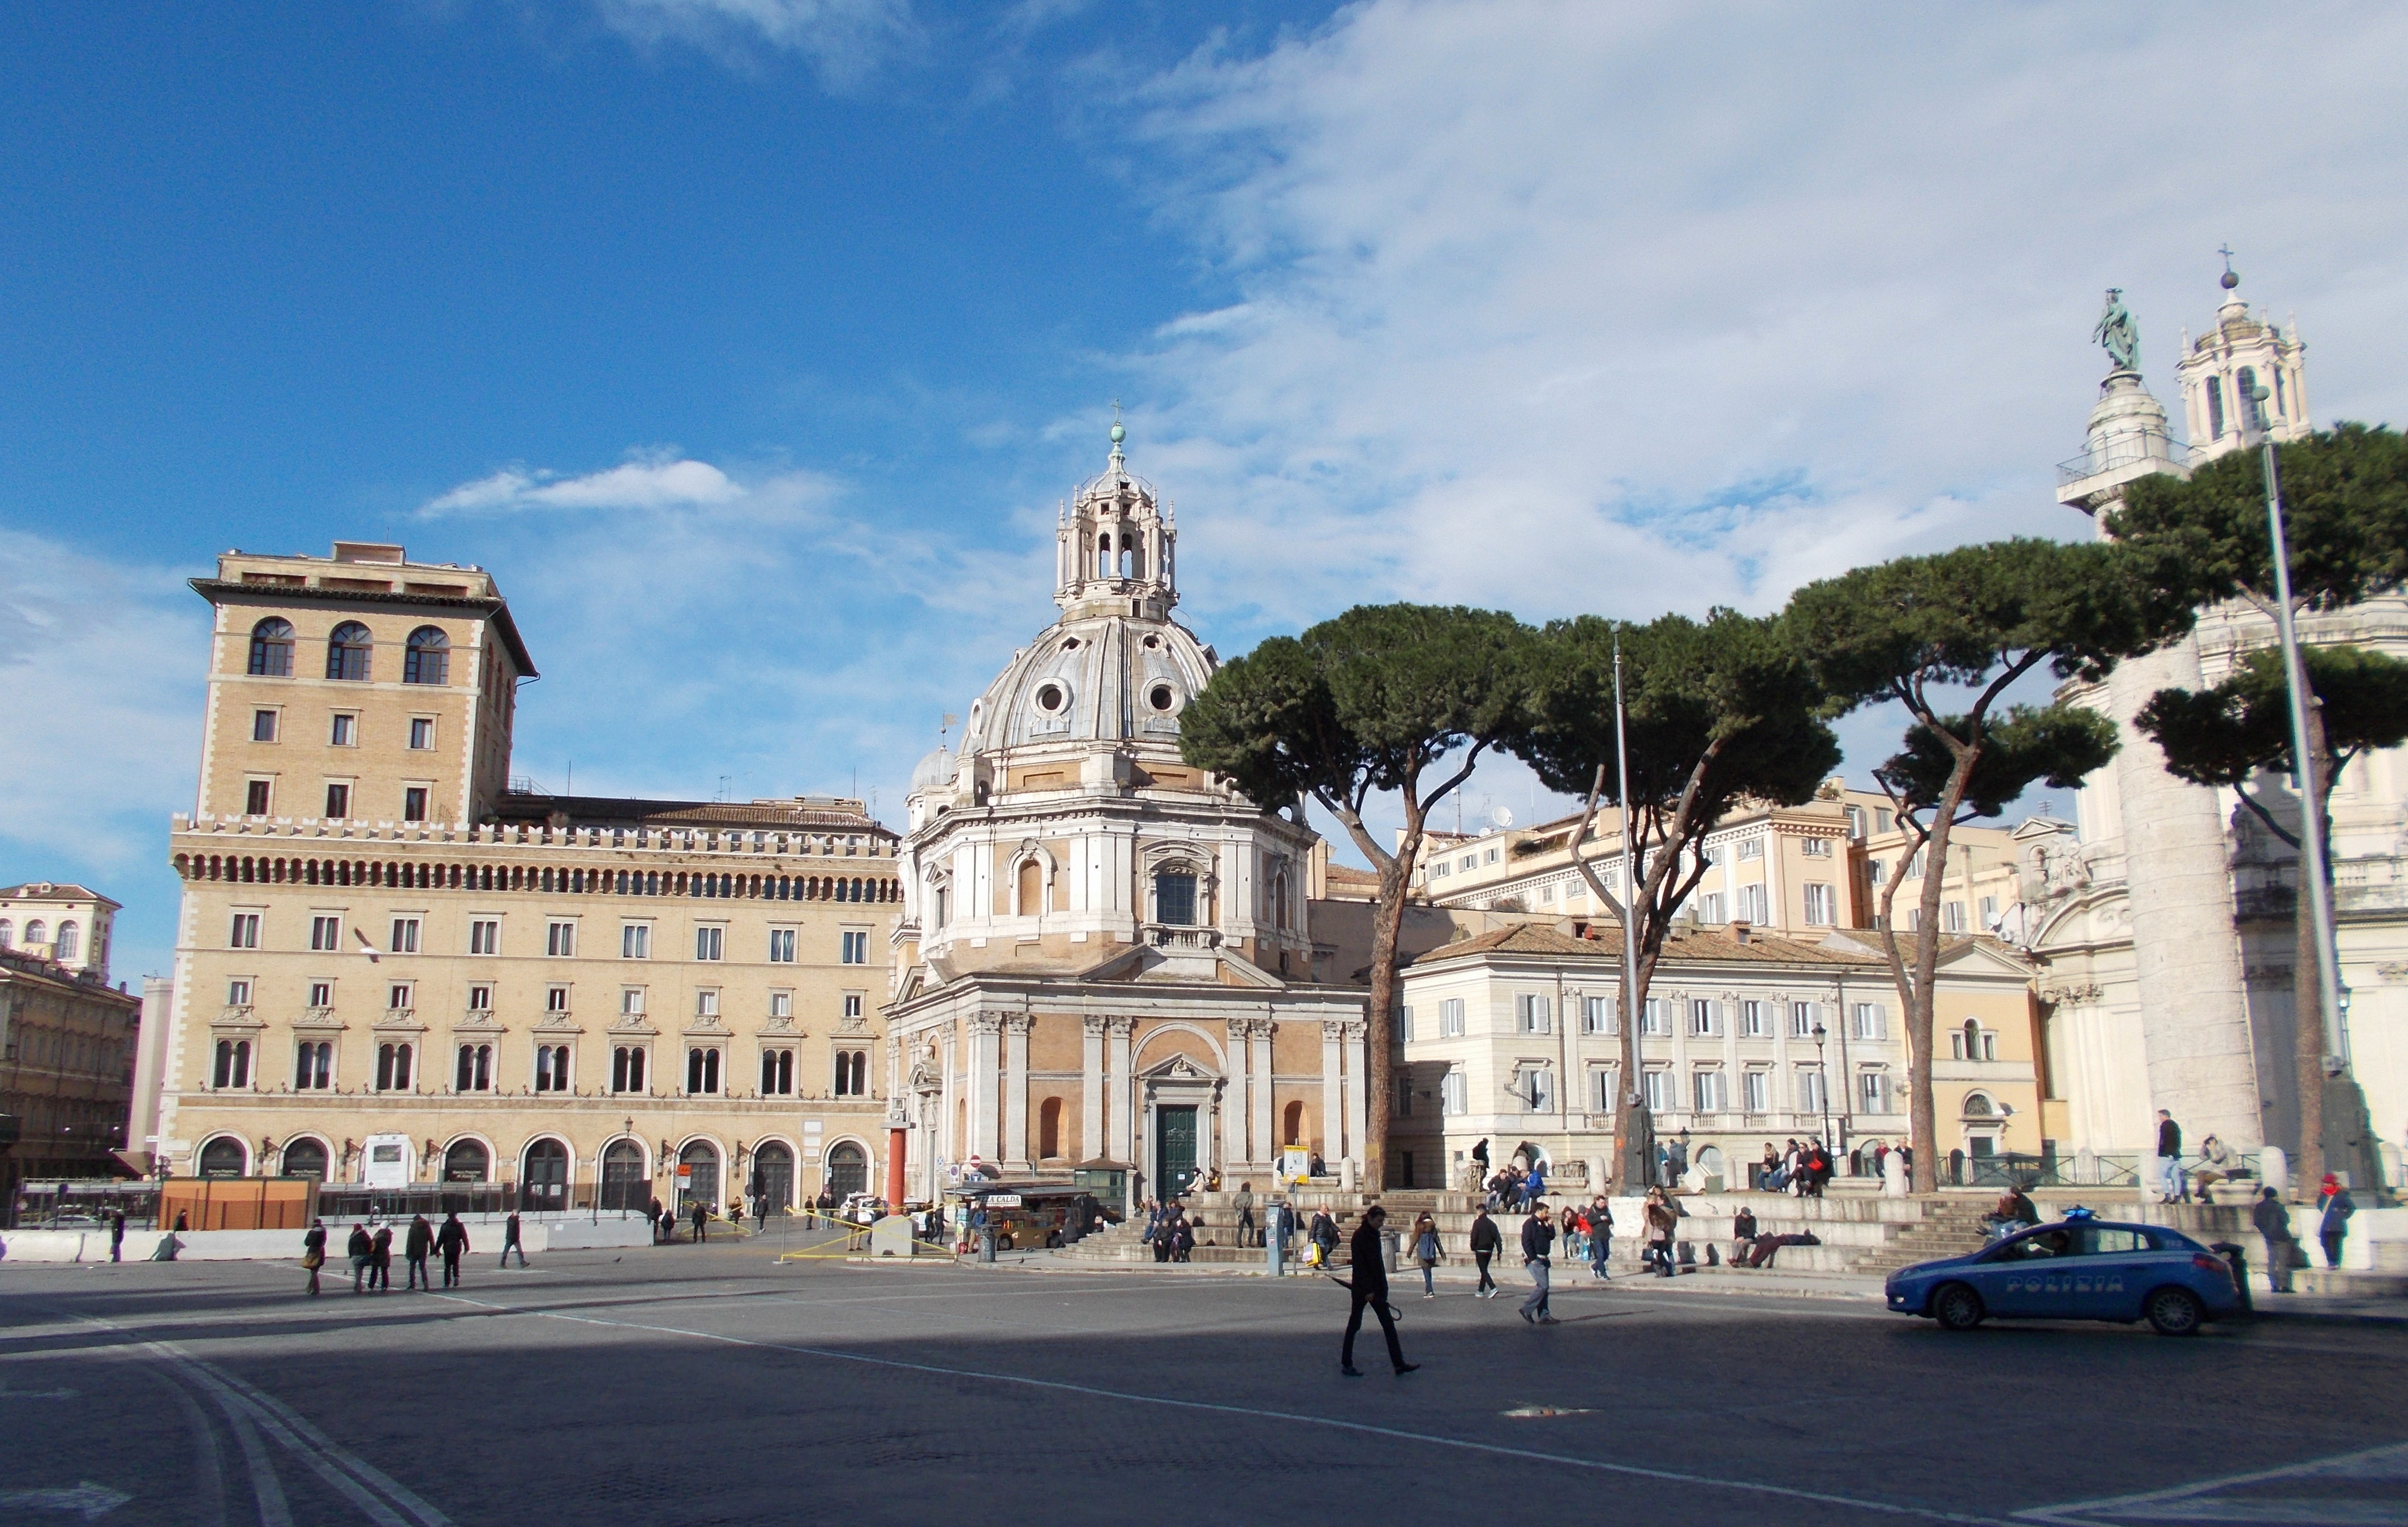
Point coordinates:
[(88, 1500), (2181, 1502), (1295, 1418)]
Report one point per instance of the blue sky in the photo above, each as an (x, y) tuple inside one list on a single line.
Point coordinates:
[(751, 342)]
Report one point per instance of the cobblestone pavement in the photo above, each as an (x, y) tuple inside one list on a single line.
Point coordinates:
[(713, 1385)]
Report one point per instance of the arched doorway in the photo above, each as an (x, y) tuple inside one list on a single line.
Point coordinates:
[(223, 1157), (1291, 1125), (543, 1178), (467, 1161), (698, 1175), (306, 1158), (773, 1176), (847, 1170), (625, 1185), (1710, 1161)]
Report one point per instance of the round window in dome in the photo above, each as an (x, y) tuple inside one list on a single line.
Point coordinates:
[(1051, 698), (1161, 697), (1152, 642), (1069, 644)]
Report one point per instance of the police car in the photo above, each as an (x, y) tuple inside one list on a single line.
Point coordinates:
[(2080, 1268)]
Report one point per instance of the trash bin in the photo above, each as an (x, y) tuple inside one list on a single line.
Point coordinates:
[(1388, 1240), (2239, 1259), (987, 1243)]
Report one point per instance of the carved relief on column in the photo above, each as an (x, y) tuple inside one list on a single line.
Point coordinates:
[(1015, 1090), (1234, 1114), (1091, 1087)]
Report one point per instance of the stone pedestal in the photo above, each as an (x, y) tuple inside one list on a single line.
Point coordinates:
[(1894, 1183)]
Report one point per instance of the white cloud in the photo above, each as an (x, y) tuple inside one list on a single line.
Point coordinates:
[(844, 39), (657, 482), (1563, 307)]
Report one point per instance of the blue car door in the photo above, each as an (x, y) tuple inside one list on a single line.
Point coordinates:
[(2110, 1272), (2026, 1276)]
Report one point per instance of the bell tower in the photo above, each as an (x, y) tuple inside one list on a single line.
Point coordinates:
[(1116, 550), (2223, 367)]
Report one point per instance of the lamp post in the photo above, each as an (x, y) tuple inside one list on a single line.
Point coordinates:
[(2314, 866), (1824, 1073)]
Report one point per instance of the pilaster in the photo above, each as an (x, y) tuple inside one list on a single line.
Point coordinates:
[(1091, 1085), (1014, 1148), (986, 1029), (1259, 1051), (1233, 1113), (1333, 1093), (1357, 1054), (1120, 1126)]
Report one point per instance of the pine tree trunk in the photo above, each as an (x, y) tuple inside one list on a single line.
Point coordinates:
[(2307, 977), (1378, 1036)]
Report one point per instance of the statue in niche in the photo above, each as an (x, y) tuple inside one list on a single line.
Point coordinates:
[(2118, 335)]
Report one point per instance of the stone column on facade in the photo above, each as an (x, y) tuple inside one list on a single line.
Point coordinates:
[(1091, 1089), (1235, 1114), (1258, 1055), (1120, 1128), (1015, 1147), (949, 1147), (1358, 1092), (1333, 1092), (986, 1032), (2186, 952)]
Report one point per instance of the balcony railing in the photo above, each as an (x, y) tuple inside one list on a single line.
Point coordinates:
[(2133, 449)]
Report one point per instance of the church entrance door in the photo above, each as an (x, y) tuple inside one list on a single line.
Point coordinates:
[(1174, 1151)]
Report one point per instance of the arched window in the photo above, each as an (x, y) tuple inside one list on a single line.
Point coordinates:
[(1291, 1125), (2244, 400), (1174, 897), (271, 647), (427, 658), (1031, 888), (847, 1170), (70, 941), (1103, 556), (1049, 1129), (543, 1176), (37, 932), (7, 935), (467, 1161), (625, 1183), (702, 1070), (306, 1157), (347, 651), (233, 1068), (2214, 407), (773, 1176), (223, 1157)]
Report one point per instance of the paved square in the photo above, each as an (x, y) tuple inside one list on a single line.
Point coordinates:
[(713, 1385)]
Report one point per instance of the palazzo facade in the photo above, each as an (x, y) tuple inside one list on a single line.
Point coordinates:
[(1104, 954)]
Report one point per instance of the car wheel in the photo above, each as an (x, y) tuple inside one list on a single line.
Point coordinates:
[(2175, 1312), (1957, 1308), (1003, 1242)]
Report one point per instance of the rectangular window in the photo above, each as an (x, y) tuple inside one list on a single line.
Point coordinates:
[(852, 1004), (1710, 908), (1804, 1019), (1450, 1018), (706, 1003), (262, 726), (1705, 1018), (1751, 848), (239, 993), (480, 999), (856, 948), (1867, 1020), (1538, 1090), (781, 1005), (1872, 1091), (421, 732), (1656, 1017), (1877, 870), (1530, 1014), (636, 941), (255, 798), (413, 802), (405, 936), (322, 993), (1810, 1090), (484, 936), (631, 1001), (1450, 1092), (1439, 869), (1990, 904), (555, 1000), (1601, 1090), (326, 933), (709, 943), (1989, 1040), (1598, 1016), (1952, 917), (1707, 1088), (396, 997), (1405, 1024), (1855, 815), (1755, 1020), (1656, 1088), (346, 732), (1822, 904), (1815, 847), (1756, 1092), (781, 946), (1752, 904), (338, 802), (560, 939), (246, 932)]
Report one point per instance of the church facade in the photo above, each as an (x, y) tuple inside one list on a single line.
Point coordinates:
[(1104, 956)]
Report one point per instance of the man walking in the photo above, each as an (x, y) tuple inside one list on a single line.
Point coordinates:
[(2274, 1222), (1486, 1240), (363, 1254), (510, 1241), (380, 1249), (2170, 1152), (414, 1249), (452, 1240), (1371, 1286), (116, 1236), (1538, 1243), (2333, 1227), (1601, 1237)]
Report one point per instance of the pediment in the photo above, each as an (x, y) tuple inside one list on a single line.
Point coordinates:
[(1147, 966), (1180, 1067)]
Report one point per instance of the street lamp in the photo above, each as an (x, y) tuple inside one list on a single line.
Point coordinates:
[(1823, 1072)]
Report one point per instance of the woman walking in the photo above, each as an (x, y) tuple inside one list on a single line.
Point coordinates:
[(313, 1251), (1425, 1252)]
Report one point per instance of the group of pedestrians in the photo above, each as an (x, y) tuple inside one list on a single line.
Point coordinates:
[(1169, 1231), (369, 1251), (665, 1223), (1802, 1169)]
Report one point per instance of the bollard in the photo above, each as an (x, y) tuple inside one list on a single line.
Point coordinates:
[(1275, 1252), (2239, 1259), (987, 1243)]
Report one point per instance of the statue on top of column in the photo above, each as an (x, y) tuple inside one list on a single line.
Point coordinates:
[(2117, 334)]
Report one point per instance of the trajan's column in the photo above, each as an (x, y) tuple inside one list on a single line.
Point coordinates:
[(2194, 1015)]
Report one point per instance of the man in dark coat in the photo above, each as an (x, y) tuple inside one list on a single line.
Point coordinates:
[(415, 1248), (701, 1221), (510, 1241), (1485, 1241), (2274, 1222), (1538, 1247), (1370, 1289), (451, 1240), (363, 1254)]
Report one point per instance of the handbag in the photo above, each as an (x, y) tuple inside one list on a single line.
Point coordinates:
[(312, 1260)]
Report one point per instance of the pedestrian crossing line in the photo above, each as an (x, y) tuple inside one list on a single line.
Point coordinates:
[(2390, 1460), (1395, 1434)]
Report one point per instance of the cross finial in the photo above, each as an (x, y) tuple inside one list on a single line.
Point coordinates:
[(2230, 278)]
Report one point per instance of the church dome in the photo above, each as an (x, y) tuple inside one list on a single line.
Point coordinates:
[(1096, 678), (935, 771)]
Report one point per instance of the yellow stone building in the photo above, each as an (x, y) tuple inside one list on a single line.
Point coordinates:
[(394, 969)]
